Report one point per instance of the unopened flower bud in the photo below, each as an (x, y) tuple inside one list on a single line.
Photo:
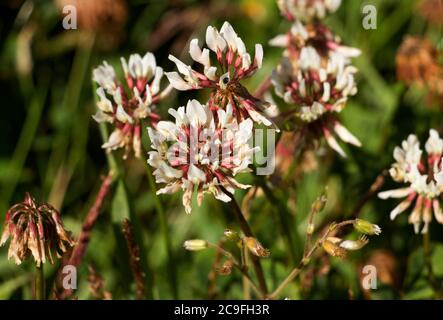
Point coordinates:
[(231, 235), (366, 227), (255, 247), (195, 245), (320, 203)]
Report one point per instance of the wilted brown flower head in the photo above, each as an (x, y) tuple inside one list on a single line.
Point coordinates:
[(431, 10), (34, 228), (417, 62)]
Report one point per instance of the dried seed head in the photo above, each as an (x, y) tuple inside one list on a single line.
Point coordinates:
[(333, 249), (36, 229), (255, 247)]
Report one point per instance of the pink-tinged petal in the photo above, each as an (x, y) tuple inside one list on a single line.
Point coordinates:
[(405, 204), (332, 142), (187, 198)]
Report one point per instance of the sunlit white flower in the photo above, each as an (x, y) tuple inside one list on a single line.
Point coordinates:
[(126, 104), (424, 177), (307, 9), (224, 63), (201, 151)]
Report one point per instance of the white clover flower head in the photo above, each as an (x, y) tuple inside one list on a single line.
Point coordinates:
[(318, 92), (125, 104), (424, 177), (224, 63), (307, 10), (202, 151)]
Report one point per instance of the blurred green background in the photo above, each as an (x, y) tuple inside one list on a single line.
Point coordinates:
[(50, 146)]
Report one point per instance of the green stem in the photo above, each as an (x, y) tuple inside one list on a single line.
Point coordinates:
[(428, 261), (39, 285), (285, 222), (164, 227), (246, 229)]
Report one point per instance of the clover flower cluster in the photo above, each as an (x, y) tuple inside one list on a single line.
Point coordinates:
[(207, 146), (225, 63), (202, 151), (424, 177), (126, 104), (315, 76)]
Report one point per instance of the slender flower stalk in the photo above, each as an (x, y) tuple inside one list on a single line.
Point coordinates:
[(39, 283)]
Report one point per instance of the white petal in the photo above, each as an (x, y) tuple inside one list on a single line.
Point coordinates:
[(345, 135), (400, 208), (115, 140), (214, 41), (395, 193), (229, 35), (195, 175), (177, 82), (258, 55), (122, 116), (155, 86)]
